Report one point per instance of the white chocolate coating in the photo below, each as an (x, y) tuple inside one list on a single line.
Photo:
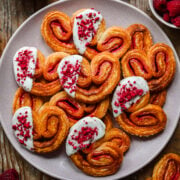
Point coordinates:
[(22, 112), (70, 84), (91, 122), (25, 82), (140, 83), (79, 42)]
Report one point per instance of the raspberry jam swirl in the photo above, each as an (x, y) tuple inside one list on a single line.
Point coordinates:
[(128, 92), (83, 133), (24, 63), (168, 167), (85, 27), (22, 124), (69, 70)]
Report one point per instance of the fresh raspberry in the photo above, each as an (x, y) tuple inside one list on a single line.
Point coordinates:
[(166, 17), (10, 174), (173, 8), (160, 6), (176, 21)]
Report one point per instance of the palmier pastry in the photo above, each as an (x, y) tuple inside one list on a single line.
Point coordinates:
[(88, 26), (168, 168), (144, 122), (57, 32), (132, 95), (158, 98), (28, 64), (102, 160), (76, 110), (89, 83), (158, 67), (140, 37), (115, 40), (135, 63), (43, 132), (23, 98), (163, 66)]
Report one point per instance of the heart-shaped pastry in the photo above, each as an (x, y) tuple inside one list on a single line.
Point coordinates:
[(41, 132)]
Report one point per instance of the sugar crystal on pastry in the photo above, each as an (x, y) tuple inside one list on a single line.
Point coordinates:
[(128, 92), (22, 124), (85, 27), (24, 63), (68, 70), (83, 133)]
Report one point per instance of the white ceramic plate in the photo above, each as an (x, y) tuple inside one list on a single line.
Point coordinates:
[(57, 164)]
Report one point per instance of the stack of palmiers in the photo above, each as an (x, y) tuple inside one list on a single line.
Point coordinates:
[(95, 76)]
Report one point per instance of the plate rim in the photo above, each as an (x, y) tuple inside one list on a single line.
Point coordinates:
[(59, 2)]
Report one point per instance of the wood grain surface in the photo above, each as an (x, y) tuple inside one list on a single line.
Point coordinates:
[(12, 14)]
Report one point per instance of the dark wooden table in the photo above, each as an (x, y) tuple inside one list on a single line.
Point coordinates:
[(12, 14)]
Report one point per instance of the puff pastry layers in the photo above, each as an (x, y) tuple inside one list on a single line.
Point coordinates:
[(144, 122), (157, 67), (56, 30), (167, 168)]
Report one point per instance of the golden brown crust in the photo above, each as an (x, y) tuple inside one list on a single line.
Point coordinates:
[(104, 156), (46, 88), (76, 110), (39, 64), (23, 98), (158, 98), (51, 127), (143, 101), (57, 31), (120, 138), (140, 37), (163, 66), (42, 87), (136, 63), (148, 178), (105, 70), (90, 52), (102, 161), (167, 168), (51, 65), (115, 135), (98, 110), (115, 40), (145, 122), (108, 121), (157, 67), (85, 77)]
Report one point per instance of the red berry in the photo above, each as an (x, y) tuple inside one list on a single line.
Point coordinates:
[(10, 174), (174, 8), (176, 21), (166, 17), (160, 6)]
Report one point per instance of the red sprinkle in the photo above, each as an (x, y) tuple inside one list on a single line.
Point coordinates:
[(69, 78), (23, 60), (126, 94), (86, 133), (86, 26), (23, 128)]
